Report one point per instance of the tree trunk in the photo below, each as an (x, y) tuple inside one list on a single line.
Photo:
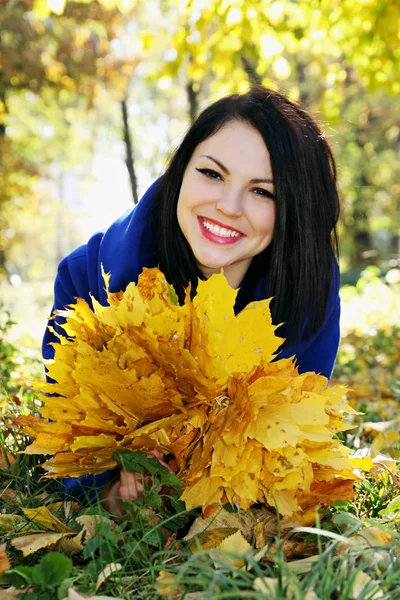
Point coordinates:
[(129, 158), (362, 253), (193, 101), (3, 269), (3, 102), (254, 77)]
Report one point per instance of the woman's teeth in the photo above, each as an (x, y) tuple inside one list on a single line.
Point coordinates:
[(220, 231)]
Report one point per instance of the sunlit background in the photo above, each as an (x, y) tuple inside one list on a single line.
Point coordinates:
[(88, 89)]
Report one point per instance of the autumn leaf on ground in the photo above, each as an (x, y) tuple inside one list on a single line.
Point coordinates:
[(28, 544), (166, 585), (4, 560), (42, 516), (106, 573), (231, 551)]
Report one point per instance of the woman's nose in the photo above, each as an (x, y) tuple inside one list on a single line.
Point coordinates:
[(230, 203)]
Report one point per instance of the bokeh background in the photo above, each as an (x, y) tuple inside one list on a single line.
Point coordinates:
[(95, 95)]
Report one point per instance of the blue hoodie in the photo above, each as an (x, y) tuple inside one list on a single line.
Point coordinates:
[(125, 248)]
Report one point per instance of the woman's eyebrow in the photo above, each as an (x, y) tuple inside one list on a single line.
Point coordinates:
[(225, 170)]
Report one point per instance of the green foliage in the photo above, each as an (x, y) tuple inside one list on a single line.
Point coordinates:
[(7, 349), (161, 489), (45, 577)]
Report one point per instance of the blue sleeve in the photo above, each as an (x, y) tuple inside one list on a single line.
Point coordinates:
[(87, 487), (318, 353), (76, 278)]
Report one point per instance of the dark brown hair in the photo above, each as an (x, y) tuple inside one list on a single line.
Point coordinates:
[(301, 258)]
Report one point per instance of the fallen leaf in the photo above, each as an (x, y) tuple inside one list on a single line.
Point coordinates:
[(9, 593), (68, 508), (89, 525), (231, 551), (303, 565), (6, 458), (165, 585), (11, 496), (383, 459), (220, 519), (71, 545), (266, 585), (106, 572), (4, 560), (43, 516), (28, 544), (212, 538), (74, 595), (10, 522), (311, 595), (360, 582), (374, 536)]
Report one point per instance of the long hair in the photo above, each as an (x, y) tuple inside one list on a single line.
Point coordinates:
[(301, 257)]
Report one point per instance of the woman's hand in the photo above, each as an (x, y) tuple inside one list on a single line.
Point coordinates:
[(128, 487)]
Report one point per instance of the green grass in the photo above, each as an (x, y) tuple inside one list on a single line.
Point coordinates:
[(146, 542), (352, 553)]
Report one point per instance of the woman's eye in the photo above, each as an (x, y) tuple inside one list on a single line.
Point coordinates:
[(210, 173), (264, 193)]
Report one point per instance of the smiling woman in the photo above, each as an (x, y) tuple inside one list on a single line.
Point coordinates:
[(251, 190), (226, 208)]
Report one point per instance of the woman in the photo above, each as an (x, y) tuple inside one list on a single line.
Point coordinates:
[(251, 189)]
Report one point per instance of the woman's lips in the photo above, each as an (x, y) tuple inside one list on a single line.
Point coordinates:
[(218, 239)]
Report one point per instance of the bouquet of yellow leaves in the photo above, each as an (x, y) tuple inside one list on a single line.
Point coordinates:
[(198, 382)]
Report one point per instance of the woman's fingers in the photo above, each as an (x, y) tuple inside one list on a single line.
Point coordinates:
[(159, 456), (131, 485), (128, 486)]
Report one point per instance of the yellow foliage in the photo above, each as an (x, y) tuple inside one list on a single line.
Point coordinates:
[(196, 381)]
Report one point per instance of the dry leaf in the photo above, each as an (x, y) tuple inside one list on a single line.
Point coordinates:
[(28, 544), (10, 593), (231, 550), (89, 525), (74, 595), (11, 496), (311, 595), (165, 585), (106, 572), (71, 545), (360, 582), (10, 522), (68, 508), (266, 585), (211, 539), (269, 586), (304, 565), (43, 516), (4, 560), (221, 519), (6, 458)]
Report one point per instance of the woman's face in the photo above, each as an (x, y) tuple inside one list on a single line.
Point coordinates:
[(226, 208)]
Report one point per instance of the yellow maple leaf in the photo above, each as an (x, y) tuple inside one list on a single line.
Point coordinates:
[(197, 381), (140, 359)]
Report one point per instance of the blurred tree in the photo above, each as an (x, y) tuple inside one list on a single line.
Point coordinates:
[(342, 63), (67, 57)]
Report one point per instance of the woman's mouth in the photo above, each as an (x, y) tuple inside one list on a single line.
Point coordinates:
[(219, 233)]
